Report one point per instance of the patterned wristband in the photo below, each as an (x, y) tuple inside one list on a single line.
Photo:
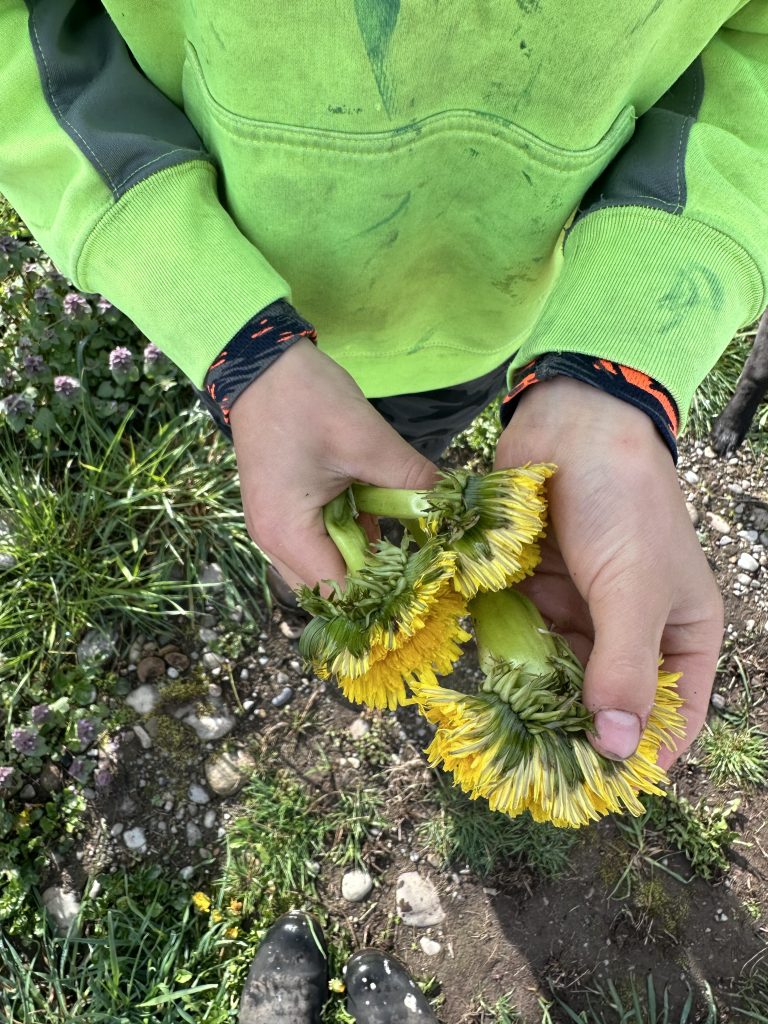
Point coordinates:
[(620, 381), (255, 347)]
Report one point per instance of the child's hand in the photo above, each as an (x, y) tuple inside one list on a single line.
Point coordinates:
[(623, 576), (302, 432)]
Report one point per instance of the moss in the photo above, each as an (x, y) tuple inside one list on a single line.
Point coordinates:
[(652, 898), (183, 691)]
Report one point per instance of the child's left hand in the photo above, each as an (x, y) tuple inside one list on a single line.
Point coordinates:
[(623, 576)]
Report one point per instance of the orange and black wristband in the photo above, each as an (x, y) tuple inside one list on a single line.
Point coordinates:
[(255, 347), (615, 379)]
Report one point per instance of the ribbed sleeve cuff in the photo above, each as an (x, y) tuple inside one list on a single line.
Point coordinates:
[(171, 258), (648, 289)]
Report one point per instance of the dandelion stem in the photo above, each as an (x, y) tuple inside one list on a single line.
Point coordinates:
[(508, 624), (392, 502), (345, 532), (414, 528)]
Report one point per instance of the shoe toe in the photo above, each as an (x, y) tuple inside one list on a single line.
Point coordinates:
[(381, 991)]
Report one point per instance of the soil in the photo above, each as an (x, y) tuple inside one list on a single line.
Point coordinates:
[(511, 932)]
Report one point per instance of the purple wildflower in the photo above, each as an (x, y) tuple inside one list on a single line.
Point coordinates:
[(66, 387), (86, 731), (24, 344), (78, 769), (34, 365), (43, 293), (31, 267), (152, 354), (40, 714), (8, 244), (6, 774), (24, 741), (18, 405), (104, 305), (121, 360), (75, 305), (103, 777)]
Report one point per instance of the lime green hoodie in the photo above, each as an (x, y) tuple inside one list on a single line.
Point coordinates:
[(436, 184)]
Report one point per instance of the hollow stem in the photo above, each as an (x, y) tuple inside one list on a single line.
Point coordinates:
[(509, 626), (345, 532), (414, 528), (392, 502)]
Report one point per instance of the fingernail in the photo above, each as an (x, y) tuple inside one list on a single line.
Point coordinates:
[(618, 733)]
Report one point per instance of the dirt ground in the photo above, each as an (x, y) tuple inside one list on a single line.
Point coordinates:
[(510, 932)]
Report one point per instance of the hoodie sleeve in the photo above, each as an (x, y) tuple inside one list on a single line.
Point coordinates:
[(668, 255), (113, 181)]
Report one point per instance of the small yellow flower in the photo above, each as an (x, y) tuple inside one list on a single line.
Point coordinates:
[(216, 916), (336, 985), (395, 623), (232, 933), (202, 902), (236, 906)]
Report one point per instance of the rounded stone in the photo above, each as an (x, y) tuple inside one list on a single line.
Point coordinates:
[(211, 727), (150, 667), (198, 795), (418, 902), (226, 773), (284, 697), (355, 885), (63, 907), (429, 946), (748, 562), (135, 839)]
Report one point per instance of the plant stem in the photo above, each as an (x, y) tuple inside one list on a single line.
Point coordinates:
[(508, 625), (345, 532), (392, 502), (413, 527)]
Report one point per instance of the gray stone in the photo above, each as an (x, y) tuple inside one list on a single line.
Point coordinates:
[(198, 795), (284, 697), (95, 648), (359, 728), (63, 907), (211, 727), (760, 518), (212, 576), (429, 946), (194, 835), (282, 678), (135, 839), (226, 773), (150, 667), (717, 700), (187, 872), (693, 512), (289, 631), (749, 535), (355, 885), (748, 562), (210, 818), (208, 636), (28, 792), (718, 523), (212, 660), (690, 477), (418, 903), (143, 699), (143, 736), (7, 560)]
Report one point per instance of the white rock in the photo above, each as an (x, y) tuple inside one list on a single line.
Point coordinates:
[(143, 736), (187, 872), (208, 636), (198, 795), (355, 885), (359, 728), (289, 631), (116, 829), (750, 535), (210, 819), (172, 673), (748, 562), (690, 477), (418, 903), (63, 906), (194, 835), (693, 512), (718, 523), (227, 772), (143, 699), (212, 660), (430, 947), (282, 678), (135, 839), (284, 697), (211, 727), (718, 701), (744, 579)]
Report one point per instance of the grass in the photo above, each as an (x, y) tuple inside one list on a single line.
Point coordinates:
[(734, 754), (464, 832), (632, 1002)]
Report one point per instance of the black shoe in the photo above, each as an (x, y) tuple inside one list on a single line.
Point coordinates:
[(288, 979), (381, 991), (282, 594)]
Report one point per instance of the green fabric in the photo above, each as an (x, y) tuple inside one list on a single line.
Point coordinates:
[(411, 173)]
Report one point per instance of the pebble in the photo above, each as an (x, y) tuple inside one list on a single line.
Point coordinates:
[(717, 700), (63, 906), (718, 523), (418, 903), (744, 579), (187, 872), (693, 512), (211, 727), (210, 819), (212, 575), (355, 885), (282, 679), (172, 673), (212, 660), (207, 636), (95, 648), (289, 631), (709, 453), (690, 477), (750, 535), (284, 697), (198, 795), (429, 946), (194, 835), (176, 660), (135, 839), (150, 667), (226, 773), (143, 736), (28, 792), (748, 562), (359, 728)]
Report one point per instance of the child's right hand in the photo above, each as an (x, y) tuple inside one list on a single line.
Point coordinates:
[(303, 431)]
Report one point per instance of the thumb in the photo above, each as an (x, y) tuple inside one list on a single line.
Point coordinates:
[(622, 672), (388, 460)]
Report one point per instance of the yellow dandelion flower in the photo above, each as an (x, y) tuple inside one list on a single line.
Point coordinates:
[(491, 522), (337, 986), (232, 933), (236, 906), (216, 916), (521, 743), (202, 902), (396, 621)]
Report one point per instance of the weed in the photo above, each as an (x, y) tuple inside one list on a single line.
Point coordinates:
[(481, 437), (753, 999), (502, 1012), (734, 754), (637, 1004), (701, 832), (463, 831)]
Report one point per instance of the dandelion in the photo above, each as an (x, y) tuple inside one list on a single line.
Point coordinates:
[(492, 523), (395, 622), (25, 741), (232, 933), (521, 742), (66, 387), (75, 305), (202, 902)]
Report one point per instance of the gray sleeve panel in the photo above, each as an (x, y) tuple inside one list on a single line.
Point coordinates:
[(123, 125), (650, 170)]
